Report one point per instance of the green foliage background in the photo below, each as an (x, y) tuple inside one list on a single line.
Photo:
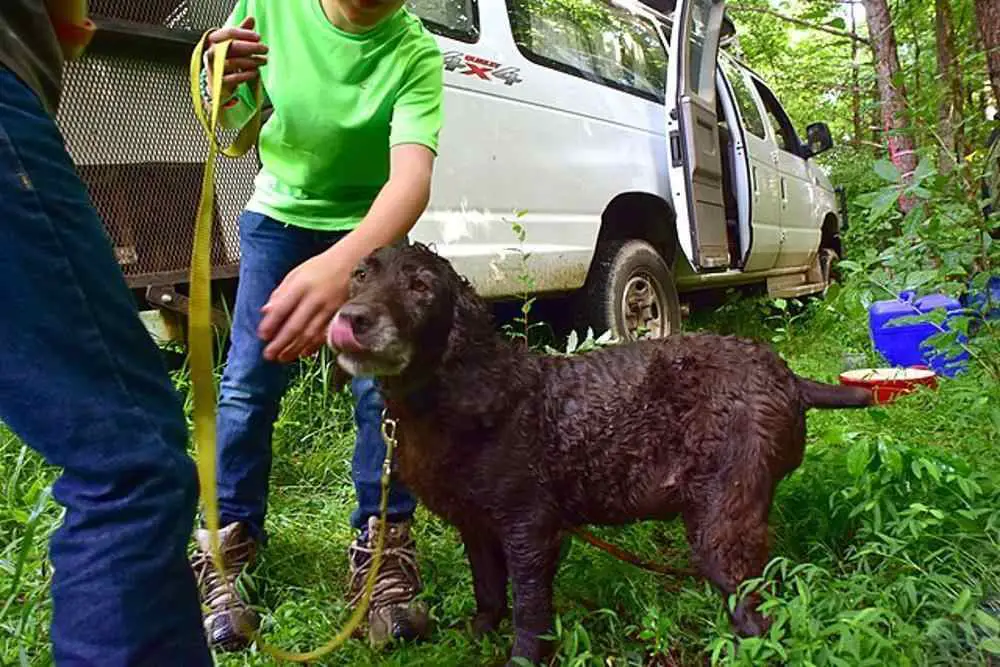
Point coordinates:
[(886, 542)]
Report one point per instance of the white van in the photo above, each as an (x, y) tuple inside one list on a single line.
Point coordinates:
[(641, 161)]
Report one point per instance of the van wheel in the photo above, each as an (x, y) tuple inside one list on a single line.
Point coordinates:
[(631, 292)]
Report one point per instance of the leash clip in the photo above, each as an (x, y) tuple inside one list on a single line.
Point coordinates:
[(389, 426)]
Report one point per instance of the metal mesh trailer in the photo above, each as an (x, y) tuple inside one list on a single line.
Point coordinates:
[(126, 116)]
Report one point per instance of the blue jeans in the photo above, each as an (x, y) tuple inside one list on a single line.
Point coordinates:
[(252, 387), (82, 383)]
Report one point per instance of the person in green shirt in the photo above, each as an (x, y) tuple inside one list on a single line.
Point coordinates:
[(347, 155)]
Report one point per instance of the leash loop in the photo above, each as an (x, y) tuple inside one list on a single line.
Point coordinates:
[(388, 428), (201, 353)]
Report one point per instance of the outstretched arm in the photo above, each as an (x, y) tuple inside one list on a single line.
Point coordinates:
[(298, 312)]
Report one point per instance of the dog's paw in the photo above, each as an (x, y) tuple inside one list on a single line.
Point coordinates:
[(750, 622), (484, 622)]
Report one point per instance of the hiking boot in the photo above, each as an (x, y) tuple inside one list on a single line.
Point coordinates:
[(393, 614), (229, 621)]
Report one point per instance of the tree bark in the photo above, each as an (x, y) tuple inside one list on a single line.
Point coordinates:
[(875, 124), (855, 80), (915, 42), (988, 18), (892, 93), (950, 106)]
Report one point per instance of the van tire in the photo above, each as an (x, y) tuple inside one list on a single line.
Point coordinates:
[(632, 266)]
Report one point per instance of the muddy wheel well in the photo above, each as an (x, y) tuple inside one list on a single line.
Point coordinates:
[(831, 234), (640, 215)]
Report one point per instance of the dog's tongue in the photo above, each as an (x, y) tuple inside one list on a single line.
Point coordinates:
[(341, 336)]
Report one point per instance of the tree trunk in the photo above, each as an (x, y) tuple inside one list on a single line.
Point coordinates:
[(855, 82), (988, 17), (875, 125), (950, 106), (915, 42), (892, 93)]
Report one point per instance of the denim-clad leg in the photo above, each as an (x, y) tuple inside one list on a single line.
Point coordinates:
[(252, 387), (369, 454), (82, 383)]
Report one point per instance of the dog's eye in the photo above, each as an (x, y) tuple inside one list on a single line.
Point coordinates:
[(418, 285), (359, 274)]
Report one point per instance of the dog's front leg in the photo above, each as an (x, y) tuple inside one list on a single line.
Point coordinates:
[(489, 577), (532, 558)]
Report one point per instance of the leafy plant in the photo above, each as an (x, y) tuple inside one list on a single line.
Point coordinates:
[(944, 244), (575, 346), (788, 313), (522, 326)]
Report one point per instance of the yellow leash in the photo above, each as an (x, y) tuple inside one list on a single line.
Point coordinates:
[(200, 347)]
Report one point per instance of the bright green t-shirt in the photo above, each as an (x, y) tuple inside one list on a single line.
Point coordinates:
[(341, 100)]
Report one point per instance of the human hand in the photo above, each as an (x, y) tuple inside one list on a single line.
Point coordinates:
[(246, 54), (299, 311)]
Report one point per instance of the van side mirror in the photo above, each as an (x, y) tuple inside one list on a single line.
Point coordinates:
[(818, 139)]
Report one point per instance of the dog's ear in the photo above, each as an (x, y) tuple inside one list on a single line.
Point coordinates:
[(472, 319)]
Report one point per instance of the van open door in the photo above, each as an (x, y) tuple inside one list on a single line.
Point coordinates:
[(694, 158)]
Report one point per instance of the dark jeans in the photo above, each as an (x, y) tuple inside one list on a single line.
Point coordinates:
[(252, 387), (82, 383)]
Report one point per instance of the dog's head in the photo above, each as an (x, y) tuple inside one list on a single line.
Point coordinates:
[(401, 312)]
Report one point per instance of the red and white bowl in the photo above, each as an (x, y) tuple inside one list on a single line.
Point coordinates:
[(888, 383)]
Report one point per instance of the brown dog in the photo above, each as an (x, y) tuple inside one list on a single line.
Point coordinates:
[(513, 447)]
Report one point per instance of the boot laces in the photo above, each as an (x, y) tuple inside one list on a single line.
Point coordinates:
[(398, 577)]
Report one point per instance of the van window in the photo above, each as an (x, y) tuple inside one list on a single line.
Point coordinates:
[(744, 99), (784, 132), (700, 76), (592, 39), (456, 19)]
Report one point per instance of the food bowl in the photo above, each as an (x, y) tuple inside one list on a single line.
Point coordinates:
[(888, 383)]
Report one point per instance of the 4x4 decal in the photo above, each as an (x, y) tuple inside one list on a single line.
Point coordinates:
[(487, 70)]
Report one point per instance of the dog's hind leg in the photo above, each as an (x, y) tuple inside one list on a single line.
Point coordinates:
[(532, 558), (728, 534), (489, 578)]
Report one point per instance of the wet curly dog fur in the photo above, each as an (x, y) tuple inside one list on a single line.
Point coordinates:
[(514, 447)]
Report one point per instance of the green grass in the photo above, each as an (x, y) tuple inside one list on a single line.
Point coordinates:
[(886, 541)]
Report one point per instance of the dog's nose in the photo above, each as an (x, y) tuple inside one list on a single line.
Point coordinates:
[(359, 317)]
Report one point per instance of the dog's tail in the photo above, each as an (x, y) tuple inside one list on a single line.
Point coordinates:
[(821, 395)]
